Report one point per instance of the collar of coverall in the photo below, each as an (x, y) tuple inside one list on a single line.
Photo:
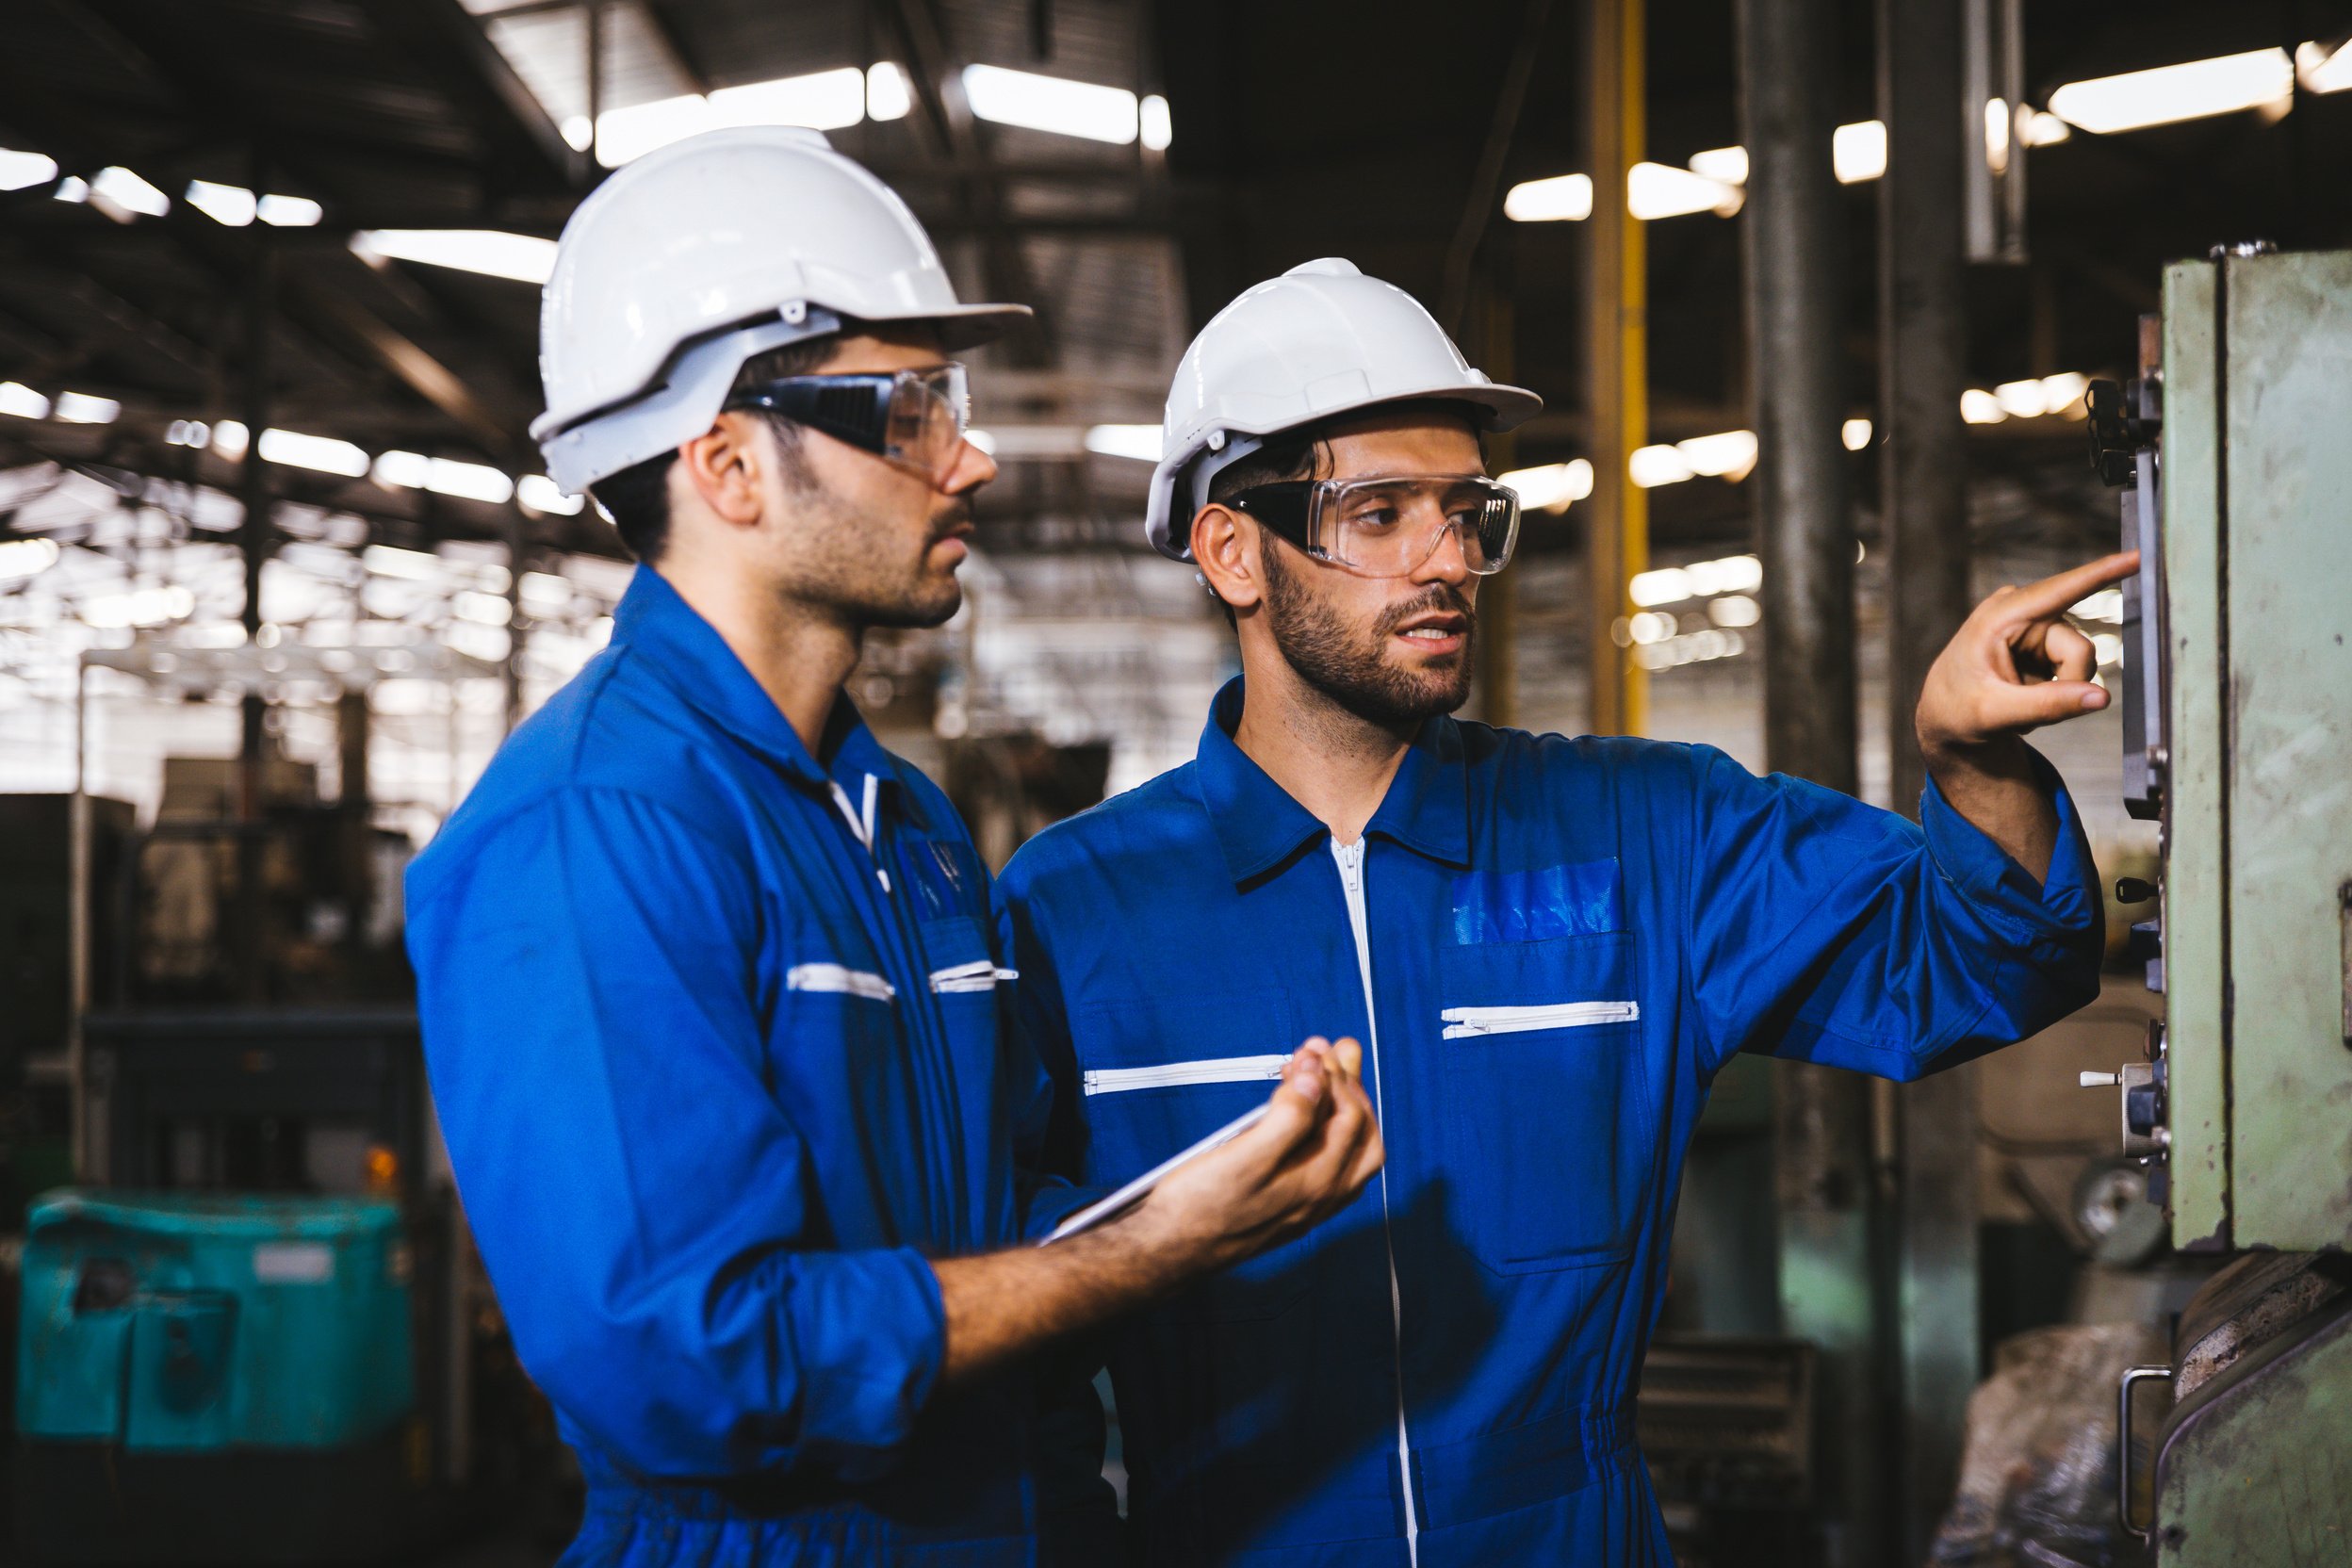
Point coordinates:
[(694, 661), (1260, 826)]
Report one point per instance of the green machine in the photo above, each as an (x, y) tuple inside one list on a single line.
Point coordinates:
[(2234, 449)]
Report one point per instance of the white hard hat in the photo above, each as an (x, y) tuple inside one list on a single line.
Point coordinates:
[(1320, 340), (697, 257)]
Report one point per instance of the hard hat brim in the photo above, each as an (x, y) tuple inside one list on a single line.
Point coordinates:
[(969, 326)]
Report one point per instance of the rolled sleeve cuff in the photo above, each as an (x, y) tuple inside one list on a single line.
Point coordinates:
[(872, 1335), (2061, 914), (1051, 1202)]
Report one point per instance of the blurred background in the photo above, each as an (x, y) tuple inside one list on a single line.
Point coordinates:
[(279, 569)]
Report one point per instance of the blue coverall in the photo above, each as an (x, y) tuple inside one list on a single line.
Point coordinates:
[(716, 1078), (1548, 948)]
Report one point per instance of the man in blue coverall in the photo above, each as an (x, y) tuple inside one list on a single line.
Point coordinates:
[(709, 981), (1549, 947)]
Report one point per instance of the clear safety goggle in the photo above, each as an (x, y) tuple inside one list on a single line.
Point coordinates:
[(1388, 527), (913, 418)]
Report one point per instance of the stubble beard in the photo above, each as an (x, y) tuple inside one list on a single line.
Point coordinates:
[(851, 573), (1347, 663)]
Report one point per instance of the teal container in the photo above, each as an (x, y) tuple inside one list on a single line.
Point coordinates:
[(185, 1323)]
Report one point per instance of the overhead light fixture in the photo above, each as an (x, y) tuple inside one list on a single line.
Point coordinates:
[(1561, 198), (1655, 190), (888, 94), (81, 408), (576, 132), (985, 440), (20, 170), (819, 100), (290, 212), (122, 195), (2022, 400), (2044, 129), (1858, 152), (1727, 164), (1980, 407), (231, 205), (1140, 442), (23, 557), (2317, 67), (22, 400), (474, 482), (525, 258), (322, 454), (2260, 78), (229, 437), (1730, 455), (542, 494), (2063, 394), (1056, 104), (1551, 486), (392, 561), (1157, 127), (1854, 434), (187, 433), (72, 188)]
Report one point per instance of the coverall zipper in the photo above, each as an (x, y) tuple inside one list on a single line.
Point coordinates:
[(1351, 863)]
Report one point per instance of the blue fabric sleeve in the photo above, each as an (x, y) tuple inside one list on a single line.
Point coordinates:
[(589, 984), (1826, 930)]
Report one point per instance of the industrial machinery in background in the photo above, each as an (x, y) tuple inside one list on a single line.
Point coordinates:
[(2237, 706), (254, 1329)]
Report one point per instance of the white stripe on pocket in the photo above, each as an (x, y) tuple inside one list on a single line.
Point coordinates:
[(1224, 1069), (833, 977), (1464, 1023), (978, 975)]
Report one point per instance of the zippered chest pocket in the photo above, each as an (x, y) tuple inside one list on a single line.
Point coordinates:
[(1549, 1133)]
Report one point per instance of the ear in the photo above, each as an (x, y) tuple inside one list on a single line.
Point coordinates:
[(1227, 554), (727, 468)]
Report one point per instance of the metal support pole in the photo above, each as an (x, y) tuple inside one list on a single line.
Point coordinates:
[(1617, 532), (1924, 512), (80, 906), (253, 543), (1495, 642), (1792, 246)]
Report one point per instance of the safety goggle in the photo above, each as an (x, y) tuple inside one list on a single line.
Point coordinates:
[(1389, 527), (913, 418)]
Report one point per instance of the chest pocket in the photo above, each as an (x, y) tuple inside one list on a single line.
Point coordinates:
[(1159, 1075), (1548, 1125)]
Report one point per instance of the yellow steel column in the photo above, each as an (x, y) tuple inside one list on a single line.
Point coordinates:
[(1617, 531)]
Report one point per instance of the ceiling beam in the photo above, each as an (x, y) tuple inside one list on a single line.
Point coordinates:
[(439, 39)]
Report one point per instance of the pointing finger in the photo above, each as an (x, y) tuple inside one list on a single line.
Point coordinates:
[(2054, 595)]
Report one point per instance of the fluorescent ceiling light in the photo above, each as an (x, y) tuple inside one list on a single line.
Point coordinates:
[(230, 205), (229, 437), (1551, 486), (624, 136), (1666, 585), (20, 170), (2317, 69), (576, 132), (1051, 104), (187, 433), (2022, 400), (1858, 152), (1980, 407), (483, 608), (23, 557), (1563, 198), (2063, 392), (823, 101), (888, 94), (542, 494), (983, 439), (2259, 78), (72, 188), (321, 453), (1651, 467), (80, 408), (392, 561), (140, 607), (1158, 129), (525, 258), (1730, 574), (1655, 190), (1727, 164), (1730, 455), (290, 212), (2045, 129), (445, 477), (22, 400), (1140, 442), (118, 186), (1854, 433), (2104, 604)]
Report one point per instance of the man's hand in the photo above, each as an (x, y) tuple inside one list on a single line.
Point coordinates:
[(1307, 1160), (1303, 1162), (2016, 664)]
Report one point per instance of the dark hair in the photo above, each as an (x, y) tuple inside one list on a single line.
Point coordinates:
[(1298, 453), (638, 498)]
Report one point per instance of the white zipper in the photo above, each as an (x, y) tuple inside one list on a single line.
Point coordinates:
[(861, 828), (1223, 1069), (836, 977), (1464, 1023), (1351, 862), (977, 975)]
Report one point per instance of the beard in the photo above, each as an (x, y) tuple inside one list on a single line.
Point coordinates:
[(1348, 662), (846, 570)]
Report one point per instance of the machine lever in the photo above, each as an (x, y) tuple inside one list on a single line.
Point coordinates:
[(2131, 1375), (2134, 890)]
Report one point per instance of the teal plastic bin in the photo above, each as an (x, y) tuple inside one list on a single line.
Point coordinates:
[(185, 1347)]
